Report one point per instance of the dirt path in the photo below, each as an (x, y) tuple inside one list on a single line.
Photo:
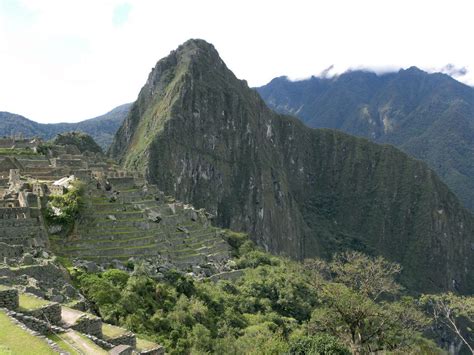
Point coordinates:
[(86, 346), (69, 315)]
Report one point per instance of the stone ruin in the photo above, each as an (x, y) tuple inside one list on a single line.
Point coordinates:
[(126, 219)]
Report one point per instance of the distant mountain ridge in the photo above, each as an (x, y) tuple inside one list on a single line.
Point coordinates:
[(429, 116), (101, 128)]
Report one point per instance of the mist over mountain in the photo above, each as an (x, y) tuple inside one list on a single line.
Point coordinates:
[(205, 137), (429, 116), (101, 128)]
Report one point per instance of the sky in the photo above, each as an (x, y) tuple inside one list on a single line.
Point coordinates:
[(66, 61)]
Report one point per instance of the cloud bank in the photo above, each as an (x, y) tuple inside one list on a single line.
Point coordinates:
[(67, 61)]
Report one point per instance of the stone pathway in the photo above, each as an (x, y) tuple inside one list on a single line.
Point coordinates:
[(82, 344)]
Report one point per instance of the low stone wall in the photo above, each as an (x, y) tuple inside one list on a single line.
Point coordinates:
[(9, 299), (10, 251), (159, 350), (127, 338), (52, 344), (50, 313), (121, 350), (101, 342), (89, 325), (35, 324)]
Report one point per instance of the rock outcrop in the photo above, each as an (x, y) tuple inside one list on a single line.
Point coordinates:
[(203, 136)]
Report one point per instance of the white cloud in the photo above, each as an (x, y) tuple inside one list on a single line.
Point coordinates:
[(68, 60)]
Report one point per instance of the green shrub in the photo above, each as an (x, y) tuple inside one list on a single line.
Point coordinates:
[(319, 344), (69, 205)]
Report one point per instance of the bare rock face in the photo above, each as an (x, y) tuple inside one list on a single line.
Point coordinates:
[(203, 136)]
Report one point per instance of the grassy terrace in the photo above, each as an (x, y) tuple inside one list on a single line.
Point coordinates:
[(79, 344), (146, 247), (14, 340), (111, 331), (143, 344), (65, 345), (28, 303), (16, 151), (112, 246), (111, 241)]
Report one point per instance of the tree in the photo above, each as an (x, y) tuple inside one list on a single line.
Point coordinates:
[(372, 277), (352, 310), (451, 310)]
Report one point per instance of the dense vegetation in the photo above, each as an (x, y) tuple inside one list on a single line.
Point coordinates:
[(64, 209), (350, 304), (429, 116)]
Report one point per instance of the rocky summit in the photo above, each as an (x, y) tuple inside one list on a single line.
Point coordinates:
[(204, 136)]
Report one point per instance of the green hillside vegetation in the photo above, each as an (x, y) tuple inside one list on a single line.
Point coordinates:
[(64, 209), (205, 137), (351, 304), (82, 141), (429, 116)]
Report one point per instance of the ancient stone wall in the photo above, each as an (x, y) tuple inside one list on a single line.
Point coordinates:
[(14, 213), (159, 350), (125, 339), (50, 313), (101, 342), (14, 317), (10, 251), (9, 298), (89, 325)]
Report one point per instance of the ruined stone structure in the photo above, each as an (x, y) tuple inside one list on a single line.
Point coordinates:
[(17, 141), (127, 219)]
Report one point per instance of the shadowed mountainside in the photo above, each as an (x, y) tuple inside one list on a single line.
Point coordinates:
[(204, 136), (429, 116)]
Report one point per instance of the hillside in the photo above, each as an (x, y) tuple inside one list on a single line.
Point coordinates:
[(101, 128), (82, 141), (429, 116), (205, 137)]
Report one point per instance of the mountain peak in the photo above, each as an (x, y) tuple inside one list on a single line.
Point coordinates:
[(413, 70), (194, 44), (194, 51), (203, 136)]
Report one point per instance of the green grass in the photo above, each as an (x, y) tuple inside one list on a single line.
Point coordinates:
[(111, 331), (16, 151), (63, 344), (148, 246), (29, 303), (14, 340), (4, 288), (143, 344)]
